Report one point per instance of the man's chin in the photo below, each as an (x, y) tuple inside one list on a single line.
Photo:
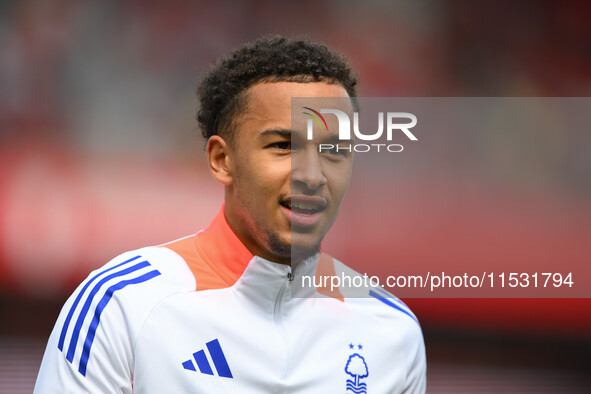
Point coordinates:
[(296, 248), (302, 246)]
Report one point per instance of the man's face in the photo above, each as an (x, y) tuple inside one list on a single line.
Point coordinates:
[(284, 194)]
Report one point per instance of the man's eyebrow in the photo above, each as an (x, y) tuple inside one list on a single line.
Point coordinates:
[(280, 132), (334, 138)]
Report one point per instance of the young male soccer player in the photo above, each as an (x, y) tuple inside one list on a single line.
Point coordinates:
[(217, 312)]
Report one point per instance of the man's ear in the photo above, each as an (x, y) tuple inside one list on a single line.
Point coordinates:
[(219, 159)]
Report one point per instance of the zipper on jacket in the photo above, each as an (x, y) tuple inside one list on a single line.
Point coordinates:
[(279, 321)]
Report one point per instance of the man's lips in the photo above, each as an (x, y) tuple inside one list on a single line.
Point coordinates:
[(305, 204), (304, 211)]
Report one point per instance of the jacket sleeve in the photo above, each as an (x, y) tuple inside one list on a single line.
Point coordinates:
[(70, 365), (91, 346), (416, 377)]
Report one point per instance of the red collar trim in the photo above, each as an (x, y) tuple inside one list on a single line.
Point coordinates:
[(222, 250)]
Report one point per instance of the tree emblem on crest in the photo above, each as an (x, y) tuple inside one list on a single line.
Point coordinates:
[(357, 368)]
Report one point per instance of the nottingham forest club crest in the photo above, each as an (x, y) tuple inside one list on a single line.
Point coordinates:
[(356, 367)]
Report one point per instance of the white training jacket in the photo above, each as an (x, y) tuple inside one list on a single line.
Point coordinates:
[(203, 315)]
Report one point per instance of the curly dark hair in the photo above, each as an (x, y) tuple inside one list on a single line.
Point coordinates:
[(222, 91)]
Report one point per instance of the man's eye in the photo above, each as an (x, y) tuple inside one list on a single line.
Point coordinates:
[(283, 145), (338, 150)]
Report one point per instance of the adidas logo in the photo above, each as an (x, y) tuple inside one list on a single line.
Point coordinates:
[(217, 357)]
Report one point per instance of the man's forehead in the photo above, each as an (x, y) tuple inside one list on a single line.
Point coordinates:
[(278, 104)]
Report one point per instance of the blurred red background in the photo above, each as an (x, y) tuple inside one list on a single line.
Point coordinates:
[(100, 153)]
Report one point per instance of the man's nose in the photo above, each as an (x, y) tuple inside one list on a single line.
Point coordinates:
[(307, 169)]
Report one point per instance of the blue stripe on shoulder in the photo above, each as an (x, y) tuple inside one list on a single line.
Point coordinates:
[(385, 294), (99, 310), (388, 301), (60, 344), (90, 298), (94, 324)]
